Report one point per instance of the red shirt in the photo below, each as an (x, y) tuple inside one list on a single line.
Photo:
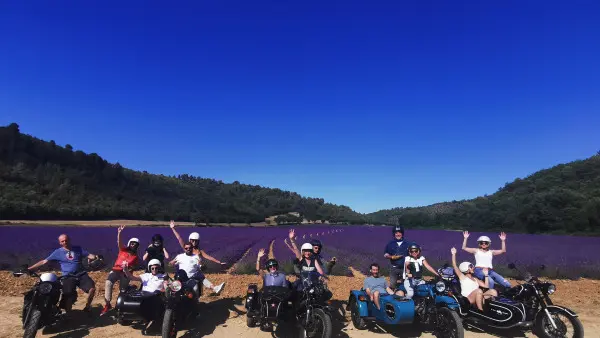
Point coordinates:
[(125, 255)]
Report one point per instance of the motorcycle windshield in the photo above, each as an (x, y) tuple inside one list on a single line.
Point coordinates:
[(310, 278)]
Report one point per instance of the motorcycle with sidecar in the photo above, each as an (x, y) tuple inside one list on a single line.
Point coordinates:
[(430, 305)]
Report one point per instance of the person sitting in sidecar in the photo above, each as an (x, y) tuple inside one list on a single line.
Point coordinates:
[(470, 286), (376, 286), (146, 304)]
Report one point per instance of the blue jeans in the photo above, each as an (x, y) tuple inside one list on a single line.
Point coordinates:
[(494, 278)]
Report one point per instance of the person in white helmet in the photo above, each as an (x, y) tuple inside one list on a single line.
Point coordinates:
[(190, 263), (470, 287), (483, 259), (152, 282), (194, 238), (127, 254)]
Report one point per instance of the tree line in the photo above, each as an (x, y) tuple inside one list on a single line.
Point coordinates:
[(42, 180)]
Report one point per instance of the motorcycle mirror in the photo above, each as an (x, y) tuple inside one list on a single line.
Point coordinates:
[(512, 266), (18, 273)]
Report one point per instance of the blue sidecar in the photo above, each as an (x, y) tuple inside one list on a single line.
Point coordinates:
[(430, 305)]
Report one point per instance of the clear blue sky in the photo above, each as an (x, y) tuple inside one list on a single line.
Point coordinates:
[(397, 103)]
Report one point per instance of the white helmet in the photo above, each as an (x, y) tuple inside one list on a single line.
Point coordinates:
[(48, 277), (464, 267), (484, 239), (306, 246), (194, 235), (154, 262), (133, 240)]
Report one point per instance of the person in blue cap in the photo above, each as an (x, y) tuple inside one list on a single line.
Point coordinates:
[(397, 251)]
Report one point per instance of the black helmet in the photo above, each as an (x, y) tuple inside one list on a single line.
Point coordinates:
[(398, 228), (157, 238), (271, 262), (414, 246), (316, 242)]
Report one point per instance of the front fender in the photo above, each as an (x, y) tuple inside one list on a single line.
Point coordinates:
[(447, 301), (558, 307), (363, 308)]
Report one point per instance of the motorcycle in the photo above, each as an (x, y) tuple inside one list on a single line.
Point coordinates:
[(499, 313), (181, 294), (313, 313), (268, 307), (41, 303), (534, 294), (133, 305)]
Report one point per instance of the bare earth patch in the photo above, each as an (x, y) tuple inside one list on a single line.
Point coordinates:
[(224, 315)]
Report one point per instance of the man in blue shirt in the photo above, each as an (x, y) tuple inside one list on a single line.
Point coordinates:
[(273, 277), (376, 286), (396, 251), (70, 258)]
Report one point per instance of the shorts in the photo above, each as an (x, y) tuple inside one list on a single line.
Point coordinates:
[(115, 276), (85, 283)]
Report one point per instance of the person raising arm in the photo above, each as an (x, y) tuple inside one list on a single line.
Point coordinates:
[(194, 238)]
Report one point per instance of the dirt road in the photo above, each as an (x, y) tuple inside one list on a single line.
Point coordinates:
[(224, 315)]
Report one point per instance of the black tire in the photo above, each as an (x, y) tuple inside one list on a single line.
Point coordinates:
[(33, 324), (544, 329), (448, 324), (169, 327), (323, 318), (250, 321), (359, 322)]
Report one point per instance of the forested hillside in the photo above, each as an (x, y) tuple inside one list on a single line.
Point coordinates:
[(42, 180), (562, 199)]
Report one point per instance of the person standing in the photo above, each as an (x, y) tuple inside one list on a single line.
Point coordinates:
[(129, 255), (396, 251)]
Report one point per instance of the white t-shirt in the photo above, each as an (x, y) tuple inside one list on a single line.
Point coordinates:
[(417, 262), (151, 283), (190, 264), (483, 259)]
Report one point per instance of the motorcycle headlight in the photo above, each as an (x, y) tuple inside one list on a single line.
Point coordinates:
[(312, 290), (440, 286), (176, 285), (45, 288), (551, 288)]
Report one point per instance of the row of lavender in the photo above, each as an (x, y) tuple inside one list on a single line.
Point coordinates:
[(354, 246)]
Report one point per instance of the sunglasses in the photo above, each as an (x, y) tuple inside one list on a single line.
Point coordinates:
[(414, 251), (188, 248), (486, 243), (134, 244), (154, 268)]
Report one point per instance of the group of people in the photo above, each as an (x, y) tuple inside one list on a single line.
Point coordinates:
[(406, 267), (407, 264), (71, 258)]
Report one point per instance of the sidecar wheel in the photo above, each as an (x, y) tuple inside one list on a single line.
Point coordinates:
[(33, 324), (359, 322), (250, 321)]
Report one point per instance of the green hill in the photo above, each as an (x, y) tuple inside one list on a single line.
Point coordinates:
[(562, 199), (42, 180)]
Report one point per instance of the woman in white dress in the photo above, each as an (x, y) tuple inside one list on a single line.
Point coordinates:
[(469, 285)]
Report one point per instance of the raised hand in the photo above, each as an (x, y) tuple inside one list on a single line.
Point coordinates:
[(261, 253), (172, 224), (292, 234), (121, 227), (502, 236), (453, 251), (466, 234)]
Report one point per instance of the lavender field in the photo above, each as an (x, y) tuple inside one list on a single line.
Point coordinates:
[(354, 246)]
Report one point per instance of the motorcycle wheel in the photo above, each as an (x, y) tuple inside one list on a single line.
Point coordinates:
[(448, 324), (320, 328), (250, 321), (359, 322), (33, 324), (545, 329), (169, 329)]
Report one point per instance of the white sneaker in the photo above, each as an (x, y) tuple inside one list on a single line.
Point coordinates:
[(219, 288)]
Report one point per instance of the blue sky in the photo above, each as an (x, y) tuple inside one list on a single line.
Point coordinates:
[(397, 103)]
